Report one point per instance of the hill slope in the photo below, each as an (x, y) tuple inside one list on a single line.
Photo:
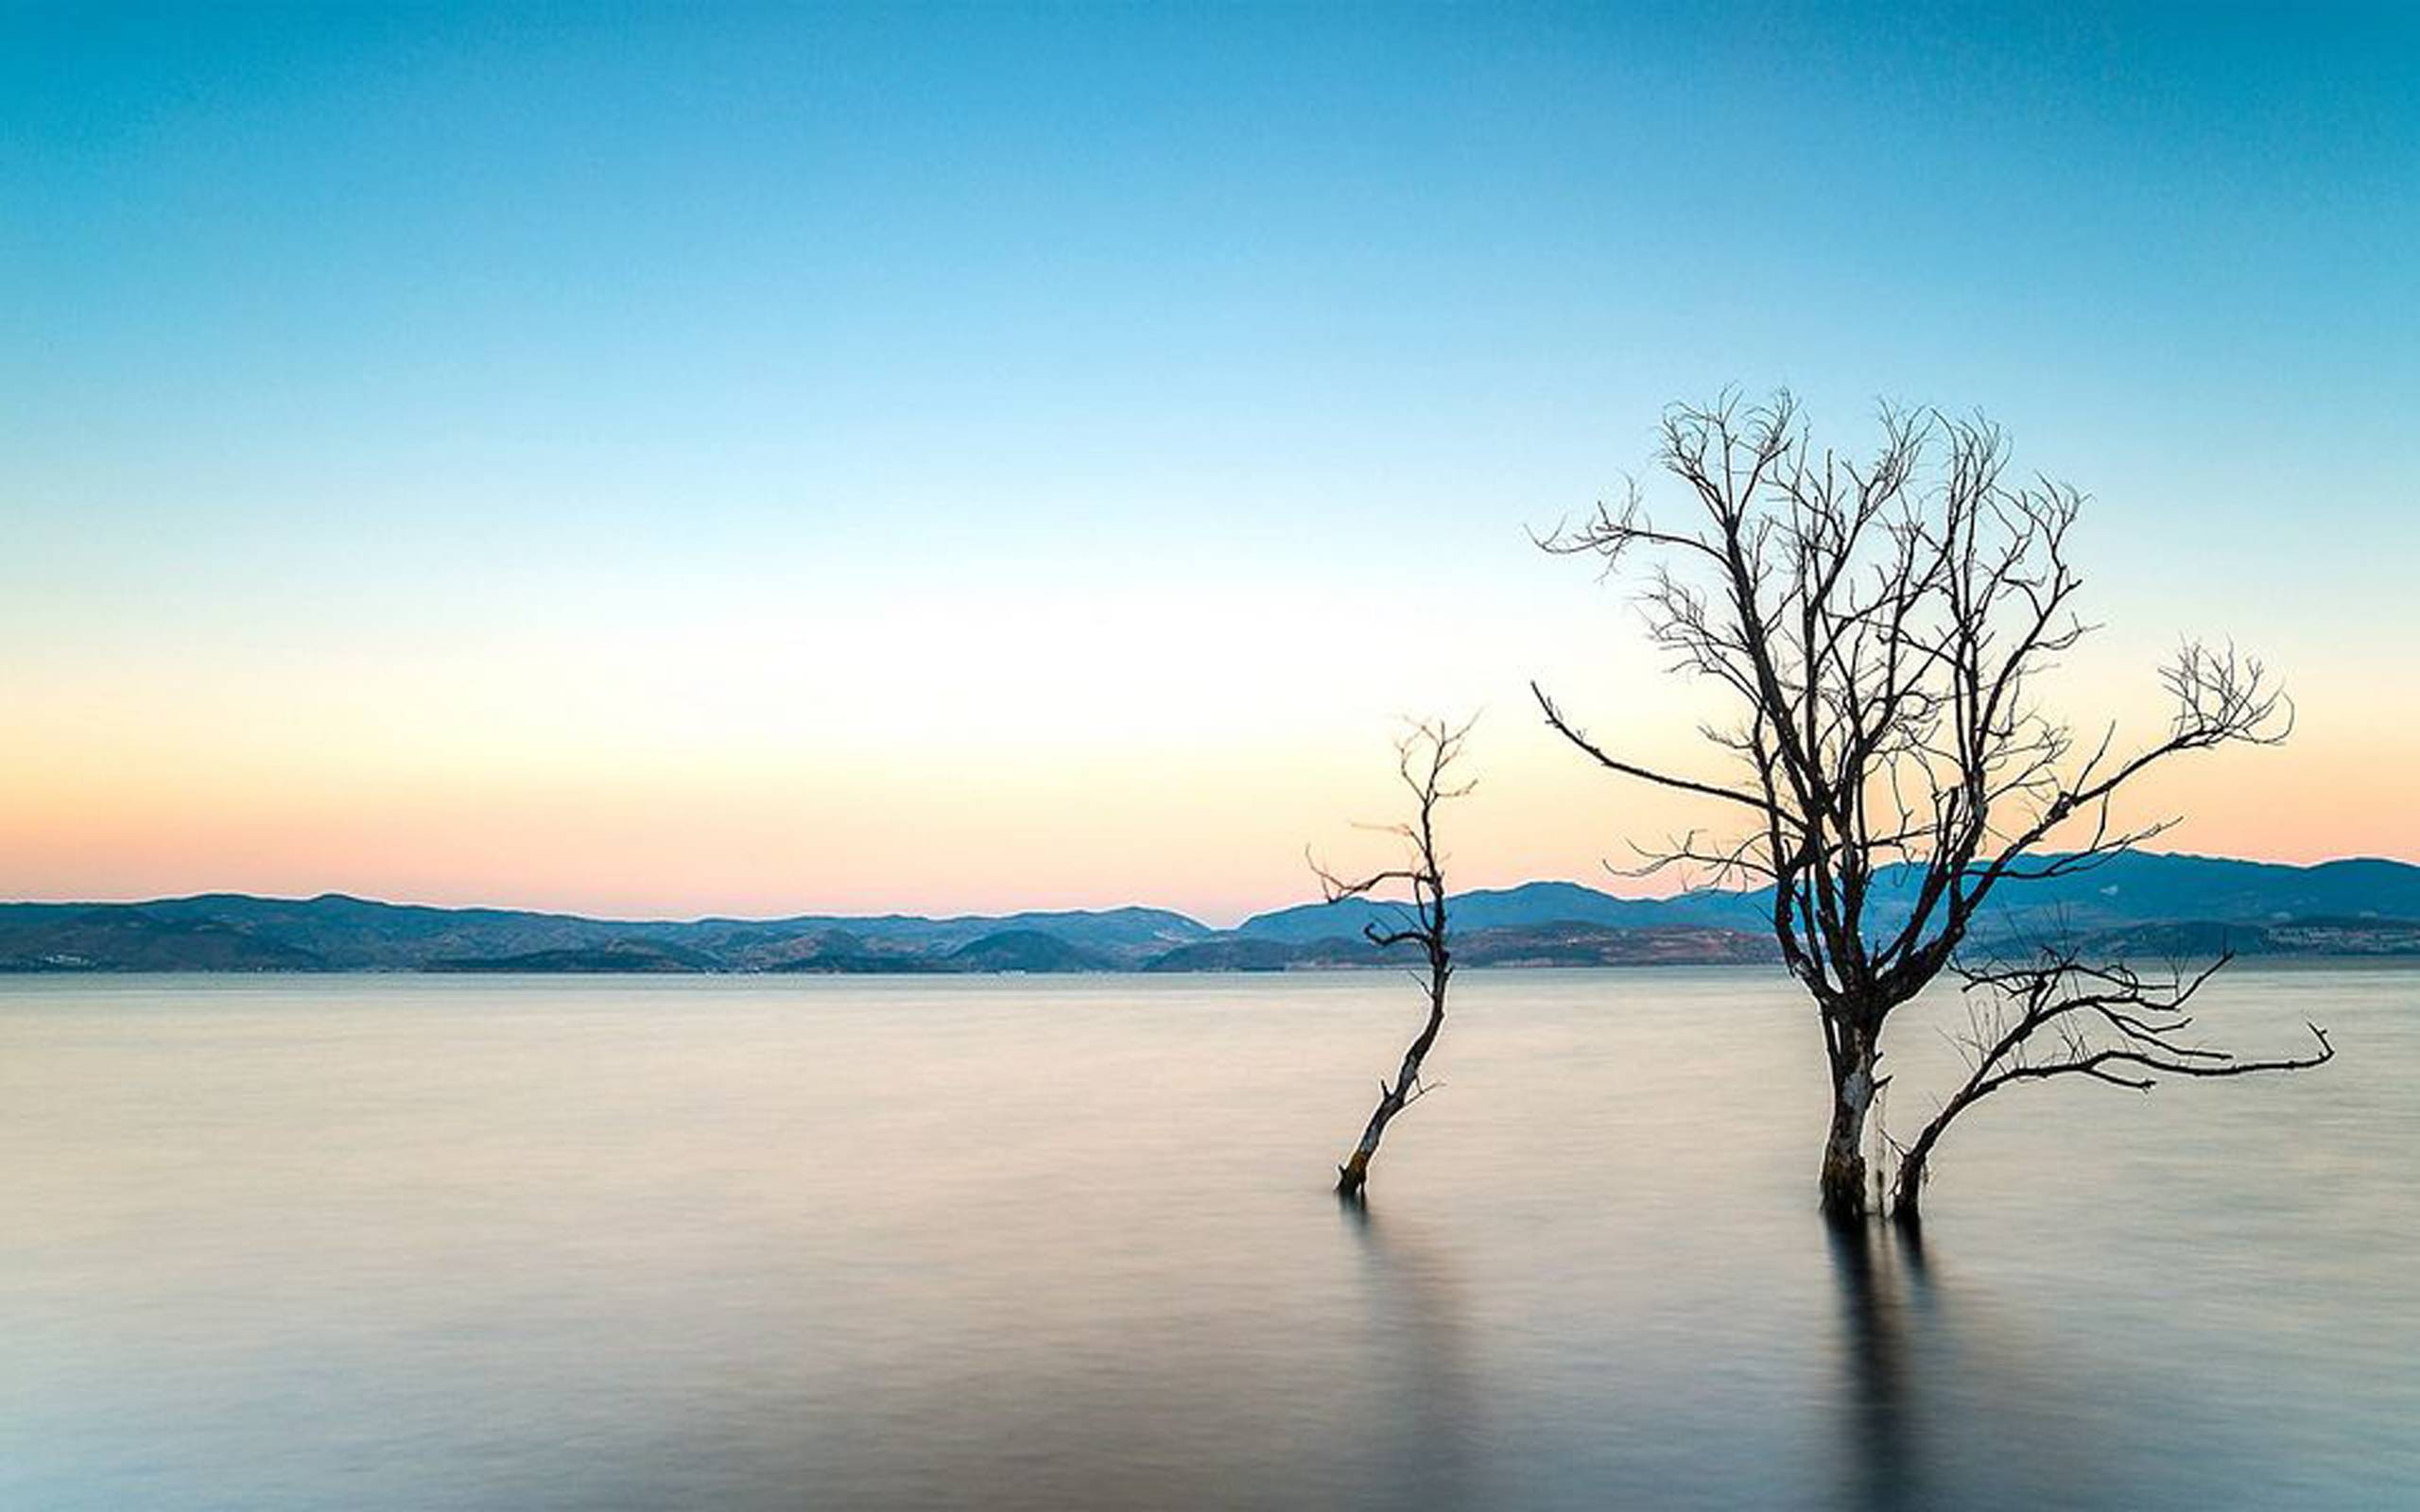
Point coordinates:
[(2144, 904)]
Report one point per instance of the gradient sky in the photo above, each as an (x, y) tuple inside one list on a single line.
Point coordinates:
[(767, 460)]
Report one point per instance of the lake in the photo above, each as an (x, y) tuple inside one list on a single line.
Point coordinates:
[(1067, 1243)]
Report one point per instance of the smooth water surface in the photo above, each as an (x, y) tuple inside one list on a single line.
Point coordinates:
[(1066, 1243)]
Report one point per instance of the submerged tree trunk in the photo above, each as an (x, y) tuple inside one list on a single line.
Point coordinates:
[(1908, 1182), (1906, 1191), (1393, 1099), (1854, 1051)]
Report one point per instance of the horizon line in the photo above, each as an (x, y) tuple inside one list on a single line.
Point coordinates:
[(1004, 913)]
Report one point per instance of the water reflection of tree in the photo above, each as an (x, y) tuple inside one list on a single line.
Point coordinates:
[(1416, 1313), (1942, 1406), (1885, 1466)]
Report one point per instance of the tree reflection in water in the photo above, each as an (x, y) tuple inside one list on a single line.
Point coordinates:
[(1416, 1317)]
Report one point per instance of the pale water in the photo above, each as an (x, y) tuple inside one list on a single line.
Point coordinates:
[(398, 1243)]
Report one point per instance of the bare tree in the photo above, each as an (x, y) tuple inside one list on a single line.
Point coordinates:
[(2058, 1016), (1879, 625), (1422, 758)]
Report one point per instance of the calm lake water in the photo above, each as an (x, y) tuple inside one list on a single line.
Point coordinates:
[(729, 1242)]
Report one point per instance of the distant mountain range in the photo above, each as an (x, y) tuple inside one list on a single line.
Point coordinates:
[(2145, 904)]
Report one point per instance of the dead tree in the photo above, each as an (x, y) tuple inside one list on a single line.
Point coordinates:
[(1879, 625), (2059, 1016), (1424, 756)]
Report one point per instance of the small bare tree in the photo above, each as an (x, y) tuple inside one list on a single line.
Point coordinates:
[(1423, 757), (2057, 1015), (1879, 625)]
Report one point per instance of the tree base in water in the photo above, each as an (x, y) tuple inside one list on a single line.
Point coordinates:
[(1843, 1187)]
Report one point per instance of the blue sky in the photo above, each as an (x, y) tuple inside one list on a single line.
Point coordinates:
[(524, 363)]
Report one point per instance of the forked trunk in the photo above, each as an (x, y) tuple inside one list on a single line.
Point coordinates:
[(1855, 1054)]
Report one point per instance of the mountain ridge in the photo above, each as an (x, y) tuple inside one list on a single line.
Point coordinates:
[(2358, 904)]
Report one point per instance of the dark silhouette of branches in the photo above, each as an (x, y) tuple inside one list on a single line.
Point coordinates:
[(2057, 1015), (1879, 623), (1425, 756)]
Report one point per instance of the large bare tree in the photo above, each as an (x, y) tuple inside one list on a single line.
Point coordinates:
[(1878, 625), (1423, 759)]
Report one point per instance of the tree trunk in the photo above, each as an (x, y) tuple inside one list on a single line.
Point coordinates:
[(1356, 1171), (1393, 1100), (1907, 1193), (1907, 1187), (1855, 1050)]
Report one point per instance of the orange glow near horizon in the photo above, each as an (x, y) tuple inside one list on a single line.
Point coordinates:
[(740, 730), (602, 815)]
